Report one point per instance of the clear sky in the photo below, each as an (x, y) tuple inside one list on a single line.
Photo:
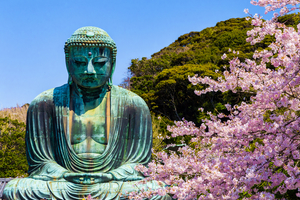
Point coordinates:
[(33, 34)]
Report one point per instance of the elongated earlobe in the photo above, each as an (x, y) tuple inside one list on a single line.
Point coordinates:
[(109, 82), (70, 79)]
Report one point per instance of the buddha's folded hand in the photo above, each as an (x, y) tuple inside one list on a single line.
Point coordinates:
[(49, 172), (88, 178)]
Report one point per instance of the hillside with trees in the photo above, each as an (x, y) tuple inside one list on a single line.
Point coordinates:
[(250, 151), (162, 80)]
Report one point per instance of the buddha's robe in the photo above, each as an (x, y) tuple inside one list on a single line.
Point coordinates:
[(50, 153)]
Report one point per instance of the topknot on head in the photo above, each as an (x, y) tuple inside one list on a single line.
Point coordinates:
[(90, 36)]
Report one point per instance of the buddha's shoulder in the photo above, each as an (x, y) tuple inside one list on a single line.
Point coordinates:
[(48, 96)]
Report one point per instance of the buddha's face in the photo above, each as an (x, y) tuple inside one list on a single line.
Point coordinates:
[(89, 67)]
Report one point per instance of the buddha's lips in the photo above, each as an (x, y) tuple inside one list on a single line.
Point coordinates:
[(90, 78)]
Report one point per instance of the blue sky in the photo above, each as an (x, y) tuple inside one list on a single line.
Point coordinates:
[(33, 34)]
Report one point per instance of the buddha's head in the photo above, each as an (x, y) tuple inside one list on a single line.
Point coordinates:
[(90, 57)]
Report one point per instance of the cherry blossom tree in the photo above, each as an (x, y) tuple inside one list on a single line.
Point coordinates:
[(253, 152)]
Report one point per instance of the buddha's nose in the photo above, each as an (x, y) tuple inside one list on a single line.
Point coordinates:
[(90, 68)]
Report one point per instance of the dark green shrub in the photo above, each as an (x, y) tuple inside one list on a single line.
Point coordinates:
[(13, 161)]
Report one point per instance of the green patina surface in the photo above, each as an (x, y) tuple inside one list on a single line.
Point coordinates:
[(86, 137)]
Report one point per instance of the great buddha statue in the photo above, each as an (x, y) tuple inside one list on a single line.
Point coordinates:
[(86, 137)]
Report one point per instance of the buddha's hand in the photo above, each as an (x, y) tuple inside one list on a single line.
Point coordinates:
[(88, 178), (49, 172), (134, 178)]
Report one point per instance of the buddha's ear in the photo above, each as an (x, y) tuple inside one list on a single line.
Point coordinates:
[(67, 51), (70, 80), (111, 73), (113, 65), (67, 63)]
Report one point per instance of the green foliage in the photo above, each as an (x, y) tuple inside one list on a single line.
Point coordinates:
[(159, 129), (170, 94), (244, 195), (13, 161), (290, 20), (252, 145), (162, 137)]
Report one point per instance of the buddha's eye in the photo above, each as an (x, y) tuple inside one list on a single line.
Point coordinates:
[(77, 62), (99, 61), (80, 61)]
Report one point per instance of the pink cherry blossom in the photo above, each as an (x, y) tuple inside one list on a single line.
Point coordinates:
[(259, 142)]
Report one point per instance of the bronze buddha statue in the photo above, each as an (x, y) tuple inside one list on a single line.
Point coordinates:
[(87, 136)]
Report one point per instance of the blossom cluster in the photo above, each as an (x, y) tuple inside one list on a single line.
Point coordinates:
[(253, 152), (285, 6)]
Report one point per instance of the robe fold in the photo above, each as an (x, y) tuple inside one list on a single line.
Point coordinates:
[(50, 153)]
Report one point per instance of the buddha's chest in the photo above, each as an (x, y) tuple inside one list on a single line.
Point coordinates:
[(89, 127)]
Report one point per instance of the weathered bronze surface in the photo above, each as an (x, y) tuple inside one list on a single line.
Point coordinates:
[(86, 136)]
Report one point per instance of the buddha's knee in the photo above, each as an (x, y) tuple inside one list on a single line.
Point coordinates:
[(25, 188), (10, 189)]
